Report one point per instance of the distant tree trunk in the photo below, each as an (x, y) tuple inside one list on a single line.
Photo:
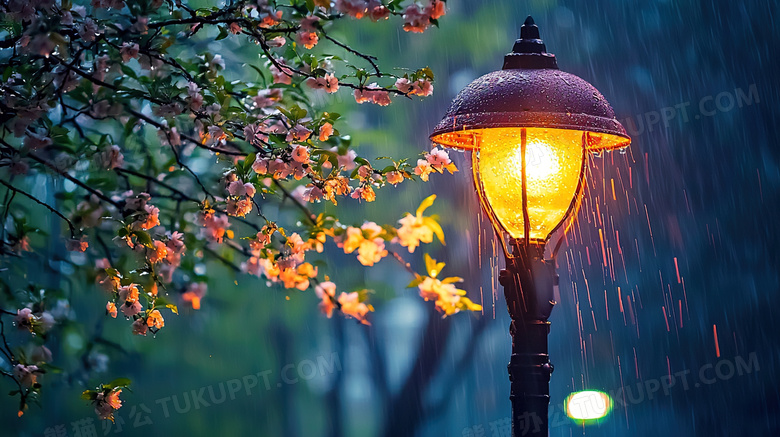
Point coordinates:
[(405, 412), (333, 397)]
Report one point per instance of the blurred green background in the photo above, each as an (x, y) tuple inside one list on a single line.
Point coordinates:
[(709, 184)]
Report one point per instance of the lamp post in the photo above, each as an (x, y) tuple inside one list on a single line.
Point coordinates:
[(529, 128)]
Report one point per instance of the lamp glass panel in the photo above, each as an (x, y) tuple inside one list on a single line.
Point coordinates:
[(553, 170)]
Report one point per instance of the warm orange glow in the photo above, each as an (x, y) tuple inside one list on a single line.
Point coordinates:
[(553, 168), (466, 140)]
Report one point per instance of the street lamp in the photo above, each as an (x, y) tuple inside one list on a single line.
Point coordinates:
[(529, 127)]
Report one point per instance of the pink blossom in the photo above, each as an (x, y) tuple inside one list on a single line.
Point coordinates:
[(415, 20), (329, 83), (129, 51), (141, 26), (394, 177), (139, 327), (253, 134), (439, 158), (239, 207), (278, 41), (351, 306), (130, 309), (308, 39), (238, 188), (217, 61), (281, 76), (312, 194), (436, 9), (37, 140), (300, 154), (298, 133), (260, 166), (373, 94), (110, 158), (326, 130), (24, 319), (327, 292), (377, 11), (88, 30), (354, 8), (423, 169), (74, 245), (27, 375)]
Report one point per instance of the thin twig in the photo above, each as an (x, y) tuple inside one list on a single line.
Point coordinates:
[(46, 205)]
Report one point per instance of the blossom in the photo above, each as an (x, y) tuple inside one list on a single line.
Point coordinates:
[(155, 320), (141, 26), (327, 292), (351, 306), (421, 87), (312, 193), (217, 61), (111, 309), (139, 327), (326, 130), (308, 39), (77, 245), (239, 207), (159, 253), (394, 177), (373, 94), (366, 193), (215, 225), (110, 158), (415, 19), (445, 295), (371, 251), (278, 41), (194, 294), (152, 217), (281, 76), (354, 8), (298, 132), (329, 83), (24, 319), (300, 154), (435, 9), (423, 169), (107, 403), (237, 188), (26, 375), (413, 231), (129, 51), (377, 11), (438, 158), (88, 30)]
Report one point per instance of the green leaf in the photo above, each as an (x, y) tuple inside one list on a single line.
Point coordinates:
[(144, 238), (223, 33), (117, 383), (161, 301), (89, 395), (248, 161)]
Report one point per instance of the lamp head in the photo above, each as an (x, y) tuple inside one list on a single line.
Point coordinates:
[(529, 127)]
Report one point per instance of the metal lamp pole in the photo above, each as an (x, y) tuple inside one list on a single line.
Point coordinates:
[(529, 283)]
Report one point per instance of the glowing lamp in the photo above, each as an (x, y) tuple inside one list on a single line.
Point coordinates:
[(529, 128), (588, 405)]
